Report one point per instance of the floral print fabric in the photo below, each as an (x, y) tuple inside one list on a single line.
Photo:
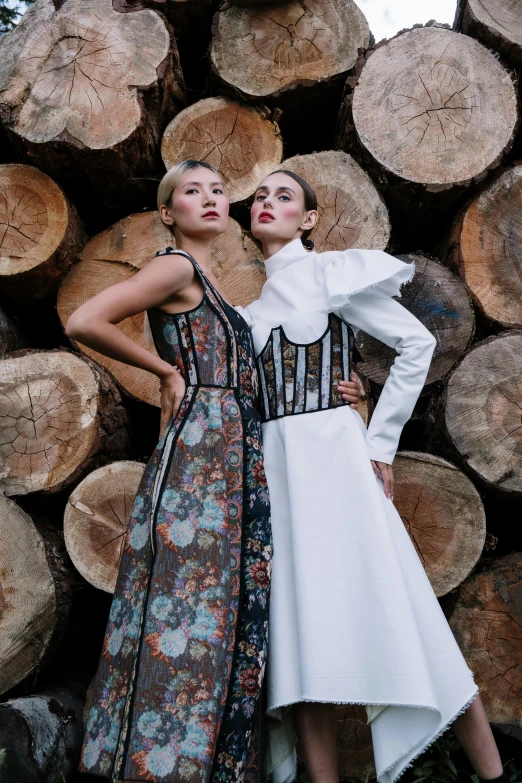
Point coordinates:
[(177, 693)]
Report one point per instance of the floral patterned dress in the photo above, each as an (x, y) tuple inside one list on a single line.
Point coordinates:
[(177, 692)]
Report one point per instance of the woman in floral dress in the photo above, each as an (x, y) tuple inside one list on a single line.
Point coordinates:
[(176, 695)]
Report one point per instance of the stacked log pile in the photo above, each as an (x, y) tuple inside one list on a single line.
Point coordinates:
[(411, 145)]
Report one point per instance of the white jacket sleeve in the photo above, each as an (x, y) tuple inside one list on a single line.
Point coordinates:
[(377, 314)]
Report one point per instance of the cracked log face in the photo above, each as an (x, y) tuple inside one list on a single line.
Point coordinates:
[(486, 246), (443, 515), (240, 141), (351, 210), (354, 742), (96, 520), (496, 23), (265, 49), (59, 414), (484, 410), (440, 301), (435, 107), (27, 596), (487, 623), (40, 232), (117, 253)]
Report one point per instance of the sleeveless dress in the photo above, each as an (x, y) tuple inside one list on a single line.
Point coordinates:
[(177, 692)]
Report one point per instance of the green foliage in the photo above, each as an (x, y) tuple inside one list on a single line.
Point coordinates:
[(2, 756), (11, 14)]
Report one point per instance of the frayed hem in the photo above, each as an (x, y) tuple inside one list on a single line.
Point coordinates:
[(348, 703), (431, 742)]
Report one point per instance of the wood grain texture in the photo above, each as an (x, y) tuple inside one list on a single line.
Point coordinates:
[(60, 416), (496, 23), (483, 411), (351, 211), (443, 514), (440, 301), (484, 248), (242, 142), (96, 519), (487, 623)]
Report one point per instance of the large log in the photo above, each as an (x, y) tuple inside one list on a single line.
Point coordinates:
[(352, 212), (40, 232), (42, 735), (430, 114), (27, 596), (496, 23), (294, 56), (85, 94), (487, 623), (483, 405), (60, 416), (443, 514), (484, 248), (117, 253), (440, 301), (242, 142), (96, 519)]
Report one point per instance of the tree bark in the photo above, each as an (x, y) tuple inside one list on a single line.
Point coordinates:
[(86, 92), (352, 212), (117, 253), (487, 625), (495, 23), (440, 301), (294, 56), (443, 514), (96, 519), (11, 335), (431, 113), (483, 404), (242, 142), (42, 735), (60, 416), (41, 233), (484, 248)]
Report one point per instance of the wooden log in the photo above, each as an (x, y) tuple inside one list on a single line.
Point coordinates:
[(41, 232), (440, 301), (60, 416), (354, 743), (117, 253), (96, 519), (27, 596), (495, 23), (443, 514), (482, 415), (487, 623), (352, 212), (85, 94), (294, 56), (484, 248), (11, 335), (242, 142), (431, 112), (42, 735)]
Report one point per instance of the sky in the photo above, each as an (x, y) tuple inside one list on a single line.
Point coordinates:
[(387, 17)]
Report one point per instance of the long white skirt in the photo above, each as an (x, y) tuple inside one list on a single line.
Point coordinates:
[(353, 617)]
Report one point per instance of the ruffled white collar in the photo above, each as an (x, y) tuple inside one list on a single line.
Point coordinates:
[(289, 254)]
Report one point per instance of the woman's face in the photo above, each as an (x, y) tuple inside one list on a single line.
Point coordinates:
[(198, 205), (278, 211)]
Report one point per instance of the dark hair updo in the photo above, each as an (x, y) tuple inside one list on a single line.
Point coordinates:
[(310, 201)]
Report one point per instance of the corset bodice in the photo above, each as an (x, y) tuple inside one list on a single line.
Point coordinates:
[(303, 378)]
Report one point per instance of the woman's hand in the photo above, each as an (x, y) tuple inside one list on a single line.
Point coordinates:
[(386, 473), (172, 391), (350, 390)]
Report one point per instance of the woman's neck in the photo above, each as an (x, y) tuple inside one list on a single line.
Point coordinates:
[(273, 246), (200, 249)]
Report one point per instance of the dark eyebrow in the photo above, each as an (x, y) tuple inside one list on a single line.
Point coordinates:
[(199, 183), (282, 187)]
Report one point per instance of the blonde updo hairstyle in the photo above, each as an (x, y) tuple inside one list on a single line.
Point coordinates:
[(173, 177)]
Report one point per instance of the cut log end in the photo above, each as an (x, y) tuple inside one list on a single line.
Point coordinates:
[(483, 407), (96, 520), (443, 514), (241, 142), (497, 24), (440, 301), (435, 107), (351, 210)]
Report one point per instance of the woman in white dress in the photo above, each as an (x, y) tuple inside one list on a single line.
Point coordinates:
[(353, 617)]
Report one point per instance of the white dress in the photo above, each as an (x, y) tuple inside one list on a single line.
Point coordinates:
[(353, 617)]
